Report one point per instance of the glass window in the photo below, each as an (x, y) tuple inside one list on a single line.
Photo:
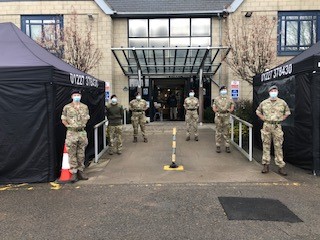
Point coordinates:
[(297, 31), (179, 27), (200, 41), (159, 27), (138, 42), (200, 27), (179, 42), (138, 28), (37, 26)]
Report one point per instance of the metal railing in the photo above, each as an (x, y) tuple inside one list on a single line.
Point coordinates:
[(239, 145), (98, 154)]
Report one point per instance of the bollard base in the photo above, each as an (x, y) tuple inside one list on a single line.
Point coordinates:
[(169, 168)]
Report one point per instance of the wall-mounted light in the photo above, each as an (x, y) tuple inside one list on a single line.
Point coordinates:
[(125, 89), (90, 16), (248, 14)]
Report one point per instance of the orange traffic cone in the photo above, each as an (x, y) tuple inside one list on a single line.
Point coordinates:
[(65, 175)]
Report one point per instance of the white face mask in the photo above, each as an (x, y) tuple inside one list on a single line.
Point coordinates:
[(138, 97), (191, 94), (76, 98), (114, 100), (223, 92), (273, 94)]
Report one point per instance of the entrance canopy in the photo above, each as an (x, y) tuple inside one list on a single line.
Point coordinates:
[(170, 61)]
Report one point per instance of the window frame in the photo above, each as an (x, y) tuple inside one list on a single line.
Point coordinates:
[(298, 14)]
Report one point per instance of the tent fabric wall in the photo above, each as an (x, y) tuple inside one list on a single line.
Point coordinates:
[(34, 87)]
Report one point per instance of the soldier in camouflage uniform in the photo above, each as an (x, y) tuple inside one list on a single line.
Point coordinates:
[(75, 116), (222, 106), (272, 112), (191, 105), (114, 113), (138, 107)]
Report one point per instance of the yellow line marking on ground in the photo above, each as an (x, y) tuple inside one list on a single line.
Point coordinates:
[(55, 186), (168, 168)]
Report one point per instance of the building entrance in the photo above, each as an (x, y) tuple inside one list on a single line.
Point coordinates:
[(168, 97)]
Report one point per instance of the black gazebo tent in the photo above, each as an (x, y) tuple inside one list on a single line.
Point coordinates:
[(298, 81), (34, 87)]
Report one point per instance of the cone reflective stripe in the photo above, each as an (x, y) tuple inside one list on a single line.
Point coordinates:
[(65, 159), (65, 175)]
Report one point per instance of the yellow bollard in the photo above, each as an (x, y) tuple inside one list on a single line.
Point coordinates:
[(173, 165)]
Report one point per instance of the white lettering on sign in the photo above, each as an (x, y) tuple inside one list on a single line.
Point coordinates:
[(82, 80), (276, 72)]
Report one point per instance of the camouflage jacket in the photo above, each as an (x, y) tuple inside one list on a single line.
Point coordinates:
[(273, 110), (223, 104), (75, 117), (138, 105), (191, 103)]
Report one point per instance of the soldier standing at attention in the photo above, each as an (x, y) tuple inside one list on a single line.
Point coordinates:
[(272, 112), (222, 106), (114, 113), (75, 116), (138, 107), (191, 105)]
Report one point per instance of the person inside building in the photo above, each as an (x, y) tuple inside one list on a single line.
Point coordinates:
[(172, 103), (138, 106), (272, 112), (114, 113), (75, 116), (191, 105), (222, 106)]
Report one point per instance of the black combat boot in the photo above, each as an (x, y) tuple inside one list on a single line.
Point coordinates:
[(282, 172), (188, 138), (82, 176), (196, 138), (135, 139), (228, 150), (74, 178), (218, 149), (145, 140), (265, 168)]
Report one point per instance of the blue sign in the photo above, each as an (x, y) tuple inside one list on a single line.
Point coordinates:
[(234, 93), (107, 95)]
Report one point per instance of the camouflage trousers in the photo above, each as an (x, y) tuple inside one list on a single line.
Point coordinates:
[(76, 143), (115, 138), (138, 118), (272, 133), (192, 119), (222, 130)]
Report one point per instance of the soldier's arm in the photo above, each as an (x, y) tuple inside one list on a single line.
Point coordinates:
[(87, 115), (286, 111), (231, 106), (259, 112), (185, 104), (130, 106), (64, 117)]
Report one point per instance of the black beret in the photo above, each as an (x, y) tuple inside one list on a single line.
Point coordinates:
[(75, 91), (222, 87), (273, 87)]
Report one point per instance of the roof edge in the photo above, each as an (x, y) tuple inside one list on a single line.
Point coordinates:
[(139, 14), (234, 6), (104, 7)]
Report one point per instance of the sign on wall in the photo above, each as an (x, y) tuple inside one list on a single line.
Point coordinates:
[(234, 90)]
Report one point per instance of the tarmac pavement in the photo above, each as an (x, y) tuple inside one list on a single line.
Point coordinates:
[(131, 197)]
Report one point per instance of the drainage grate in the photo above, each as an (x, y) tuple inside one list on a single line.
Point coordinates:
[(263, 209)]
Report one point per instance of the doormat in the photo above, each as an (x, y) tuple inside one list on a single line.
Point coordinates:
[(262, 209)]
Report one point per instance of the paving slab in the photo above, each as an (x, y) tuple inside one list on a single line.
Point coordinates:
[(143, 162)]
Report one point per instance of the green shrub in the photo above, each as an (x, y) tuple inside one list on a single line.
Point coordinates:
[(243, 110)]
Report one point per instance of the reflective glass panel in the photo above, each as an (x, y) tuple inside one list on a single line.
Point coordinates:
[(292, 33), (36, 31), (179, 27), (159, 27), (200, 41), (305, 33), (138, 42), (138, 28), (200, 27)]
